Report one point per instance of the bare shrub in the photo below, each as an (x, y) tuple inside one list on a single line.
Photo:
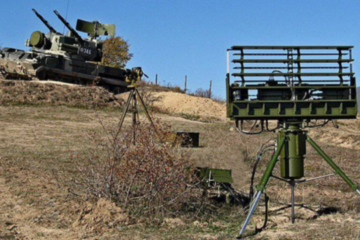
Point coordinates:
[(148, 95), (218, 99), (161, 87), (149, 177), (200, 92)]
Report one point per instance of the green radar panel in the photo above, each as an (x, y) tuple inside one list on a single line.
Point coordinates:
[(285, 83)]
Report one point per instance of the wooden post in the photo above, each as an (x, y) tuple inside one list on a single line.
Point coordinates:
[(185, 83), (156, 80), (210, 89)]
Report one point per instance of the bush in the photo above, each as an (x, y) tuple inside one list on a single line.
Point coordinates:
[(116, 52), (147, 178), (148, 96)]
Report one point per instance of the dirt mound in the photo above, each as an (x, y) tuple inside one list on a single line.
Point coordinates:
[(101, 216), (179, 103), (39, 93), (183, 105)]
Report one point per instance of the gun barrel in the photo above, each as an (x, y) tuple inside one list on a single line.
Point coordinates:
[(68, 26), (46, 23)]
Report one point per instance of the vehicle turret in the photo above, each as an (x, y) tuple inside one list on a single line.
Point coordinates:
[(72, 44), (67, 57)]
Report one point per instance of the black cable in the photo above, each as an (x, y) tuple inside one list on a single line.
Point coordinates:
[(251, 192), (264, 148), (257, 230), (326, 121)]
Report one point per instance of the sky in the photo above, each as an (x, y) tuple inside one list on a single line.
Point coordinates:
[(174, 38)]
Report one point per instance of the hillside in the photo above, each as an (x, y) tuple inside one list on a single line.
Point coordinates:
[(55, 93), (43, 126), (183, 105)]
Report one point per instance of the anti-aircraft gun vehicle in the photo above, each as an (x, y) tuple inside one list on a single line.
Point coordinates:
[(66, 58)]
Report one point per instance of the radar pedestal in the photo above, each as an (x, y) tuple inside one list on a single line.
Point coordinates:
[(291, 151)]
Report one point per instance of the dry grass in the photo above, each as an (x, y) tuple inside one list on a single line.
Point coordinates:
[(36, 143)]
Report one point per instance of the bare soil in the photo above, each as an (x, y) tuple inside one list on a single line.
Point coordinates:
[(183, 105)]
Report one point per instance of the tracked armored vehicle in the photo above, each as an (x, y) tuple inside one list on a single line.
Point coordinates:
[(66, 58)]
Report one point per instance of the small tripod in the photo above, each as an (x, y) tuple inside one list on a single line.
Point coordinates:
[(134, 96), (292, 150)]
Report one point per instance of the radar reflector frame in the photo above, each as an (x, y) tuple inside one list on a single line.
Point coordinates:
[(290, 82), (95, 29)]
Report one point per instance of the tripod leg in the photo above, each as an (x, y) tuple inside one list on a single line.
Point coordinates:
[(261, 187), (333, 165), (144, 107), (134, 114), (126, 109)]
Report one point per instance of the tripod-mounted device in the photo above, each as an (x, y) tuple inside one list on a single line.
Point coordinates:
[(133, 78), (318, 84)]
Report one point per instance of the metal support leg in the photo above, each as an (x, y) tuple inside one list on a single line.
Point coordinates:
[(145, 108), (126, 109), (261, 187), (333, 165), (134, 114), (251, 212), (292, 184)]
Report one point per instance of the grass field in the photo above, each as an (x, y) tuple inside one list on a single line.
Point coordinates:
[(36, 203)]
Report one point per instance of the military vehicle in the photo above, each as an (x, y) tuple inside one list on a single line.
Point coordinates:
[(66, 58)]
